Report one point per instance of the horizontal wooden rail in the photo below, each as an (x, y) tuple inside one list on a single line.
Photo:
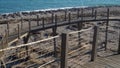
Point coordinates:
[(13, 47), (83, 30)]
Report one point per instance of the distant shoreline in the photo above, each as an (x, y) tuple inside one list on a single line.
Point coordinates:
[(57, 9)]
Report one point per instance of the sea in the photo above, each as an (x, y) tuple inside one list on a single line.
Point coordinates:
[(12, 6)]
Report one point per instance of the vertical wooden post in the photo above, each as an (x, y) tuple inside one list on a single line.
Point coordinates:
[(79, 28), (29, 22), (65, 15), (21, 23), (25, 39), (78, 13), (8, 28), (119, 44), (18, 31), (43, 23), (52, 18), (92, 12), (37, 20), (82, 14), (54, 29), (69, 17), (95, 43), (64, 50), (106, 33), (95, 14), (6, 32)]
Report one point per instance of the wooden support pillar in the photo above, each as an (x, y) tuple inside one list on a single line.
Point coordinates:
[(54, 29), (43, 23), (119, 44), (95, 43), (6, 37), (37, 20), (8, 28), (18, 31), (92, 12), (78, 13), (79, 28), (95, 14), (64, 50), (52, 17), (82, 14), (106, 33), (69, 18), (25, 39), (21, 23), (29, 23), (65, 15)]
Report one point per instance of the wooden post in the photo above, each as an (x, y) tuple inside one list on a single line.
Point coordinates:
[(8, 28), (78, 13), (37, 20), (64, 51), (25, 39), (95, 43), (6, 32), (52, 18), (54, 29), (81, 13), (21, 23), (29, 22), (69, 17), (79, 28), (92, 12), (65, 15), (119, 44), (95, 14), (18, 31), (106, 33), (43, 22)]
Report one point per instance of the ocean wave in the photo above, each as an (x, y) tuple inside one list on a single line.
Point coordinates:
[(44, 10)]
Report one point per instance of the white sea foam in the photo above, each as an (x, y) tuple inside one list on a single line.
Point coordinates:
[(50, 9)]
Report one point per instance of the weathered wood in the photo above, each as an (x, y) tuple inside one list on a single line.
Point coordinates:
[(92, 12), (82, 14), (6, 38), (119, 44), (8, 28), (95, 43), (43, 23), (64, 50), (54, 29), (29, 23), (21, 23), (52, 17), (69, 17), (65, 15), (106, 33), (37, 20), (25, 39), (78, 13), (18, 31), (95, 14)]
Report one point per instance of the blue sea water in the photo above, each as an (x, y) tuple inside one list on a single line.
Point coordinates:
[(8, 6)]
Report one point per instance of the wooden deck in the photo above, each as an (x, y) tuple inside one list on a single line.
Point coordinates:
[(106, 62)]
